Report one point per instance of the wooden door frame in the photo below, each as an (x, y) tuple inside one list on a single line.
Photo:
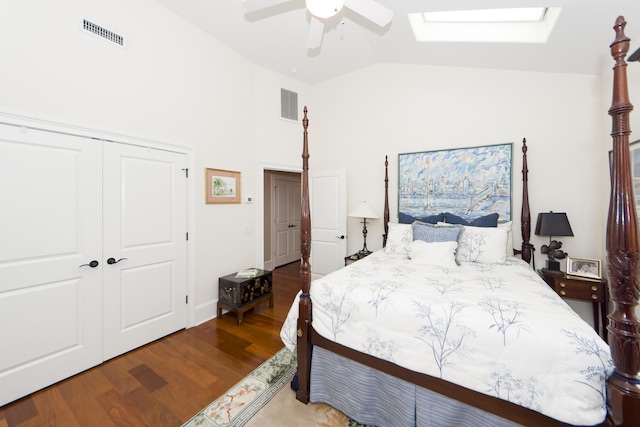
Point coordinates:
[(50, 126)]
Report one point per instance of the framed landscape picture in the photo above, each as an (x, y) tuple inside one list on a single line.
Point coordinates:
[(468, 182), (222, 186)]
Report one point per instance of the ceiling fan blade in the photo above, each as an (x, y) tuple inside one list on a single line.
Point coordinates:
[(253, 5), (371, 10), (316, 30)]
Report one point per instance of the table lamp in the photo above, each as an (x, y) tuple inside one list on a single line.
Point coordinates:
[(364, 211), (553, 224)]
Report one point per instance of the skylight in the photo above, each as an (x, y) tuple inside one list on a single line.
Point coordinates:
[(514, 25)]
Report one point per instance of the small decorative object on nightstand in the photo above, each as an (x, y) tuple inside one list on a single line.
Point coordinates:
[(355, 257), (594, 290), (240, 294)]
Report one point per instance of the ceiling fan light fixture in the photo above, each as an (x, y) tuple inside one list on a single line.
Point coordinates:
[(324, 9)]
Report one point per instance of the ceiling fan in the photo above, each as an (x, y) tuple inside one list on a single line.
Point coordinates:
[(322, 10)]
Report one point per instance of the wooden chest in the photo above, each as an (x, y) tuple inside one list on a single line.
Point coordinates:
[(242, 294)]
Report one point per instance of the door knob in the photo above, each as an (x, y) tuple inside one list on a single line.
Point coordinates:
[(340, 237), (92, 264), (113, 260)]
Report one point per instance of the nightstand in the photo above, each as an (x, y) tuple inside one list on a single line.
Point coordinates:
[(355, 257), (594, 290)]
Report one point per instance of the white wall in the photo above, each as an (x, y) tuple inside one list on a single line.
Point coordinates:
[(175, 84), (395, 109)]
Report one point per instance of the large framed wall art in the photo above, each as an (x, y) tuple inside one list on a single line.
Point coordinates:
[(468, 182)]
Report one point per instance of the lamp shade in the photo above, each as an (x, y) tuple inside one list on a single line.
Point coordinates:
[(324, 8), (364, 210), (553, 224)]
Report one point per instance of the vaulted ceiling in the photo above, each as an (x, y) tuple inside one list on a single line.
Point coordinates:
[(275, 37)]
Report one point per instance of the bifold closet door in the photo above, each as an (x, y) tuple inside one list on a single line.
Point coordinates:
[(144, 246), (92, 253), (50, 258)]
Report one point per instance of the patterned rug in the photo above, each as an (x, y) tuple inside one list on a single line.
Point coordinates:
[(263, 398)]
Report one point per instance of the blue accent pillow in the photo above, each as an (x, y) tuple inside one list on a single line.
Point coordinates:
[(431, 233), (431, 219), (490, 220), (404, 218)]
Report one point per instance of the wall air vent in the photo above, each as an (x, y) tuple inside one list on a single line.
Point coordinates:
[(288, 105), (102, 32)]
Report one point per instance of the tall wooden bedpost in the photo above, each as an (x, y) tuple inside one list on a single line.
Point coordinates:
[(386, 202), (525, 214), (623, 245), (304, 319)]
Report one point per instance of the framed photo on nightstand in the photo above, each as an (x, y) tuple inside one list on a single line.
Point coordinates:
[(584, 267)]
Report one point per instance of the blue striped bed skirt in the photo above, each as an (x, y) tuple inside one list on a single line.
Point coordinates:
[(374, 398)]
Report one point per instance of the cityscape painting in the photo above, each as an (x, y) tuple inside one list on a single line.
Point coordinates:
[(468, 182)]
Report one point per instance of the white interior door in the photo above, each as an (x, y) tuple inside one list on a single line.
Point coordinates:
[(286, 202), (328, 205), (145, 285), (50, 231)]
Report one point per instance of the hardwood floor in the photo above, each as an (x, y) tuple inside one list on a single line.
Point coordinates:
[(168, 381)]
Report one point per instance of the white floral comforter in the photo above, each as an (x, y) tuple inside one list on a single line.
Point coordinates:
[(494, 328)]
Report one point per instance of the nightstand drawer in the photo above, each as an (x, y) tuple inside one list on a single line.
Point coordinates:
[(579, 289), (583, 289)]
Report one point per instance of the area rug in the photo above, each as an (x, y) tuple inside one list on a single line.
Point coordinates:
[(264, 399)]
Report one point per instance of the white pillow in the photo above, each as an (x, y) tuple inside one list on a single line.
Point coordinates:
[(507, 225), (482, 244), (442, 254), (398, 238)]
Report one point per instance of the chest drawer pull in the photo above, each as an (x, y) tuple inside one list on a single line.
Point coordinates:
[(563, 292), (594, 296), (594, 288), (563, 285)]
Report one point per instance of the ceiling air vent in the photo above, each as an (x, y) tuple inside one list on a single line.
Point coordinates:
[(288, 105), (102, 32)]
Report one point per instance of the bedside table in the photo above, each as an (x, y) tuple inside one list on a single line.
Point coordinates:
[(582, 289), (355, 257)]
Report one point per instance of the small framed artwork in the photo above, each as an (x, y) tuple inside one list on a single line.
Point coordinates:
[(222, 186), (584, 267)]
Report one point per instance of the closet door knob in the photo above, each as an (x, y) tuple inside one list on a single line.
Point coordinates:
[(92, 264), (113, 260)]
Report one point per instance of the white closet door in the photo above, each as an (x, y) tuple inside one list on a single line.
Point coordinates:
[(145, 232), (50, 231)]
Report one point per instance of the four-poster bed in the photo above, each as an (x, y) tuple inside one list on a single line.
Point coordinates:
[(488, 407)]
